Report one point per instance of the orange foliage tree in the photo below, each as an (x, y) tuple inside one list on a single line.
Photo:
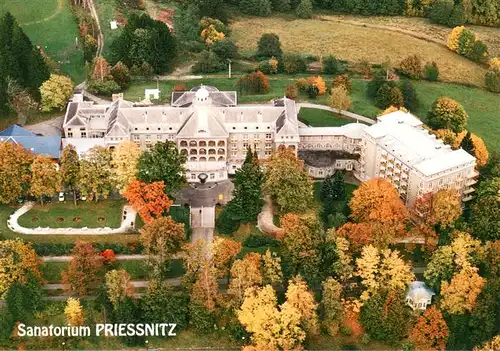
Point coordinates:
[(480, 150), (82, 273), (224, 252), (443, 207), (377, 201), (149, 200), (430, 332), (359, 234)]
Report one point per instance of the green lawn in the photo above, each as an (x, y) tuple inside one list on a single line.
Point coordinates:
[(321, 118), (106, 213), (50, 24), (106, 11)]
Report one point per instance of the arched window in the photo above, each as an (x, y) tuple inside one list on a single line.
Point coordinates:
[(193, 152), (202, 143), (184, 151), (184, 143), (211, 143), (203, 151), (221, 152), (221, 143), (211, 152), (192, 143), (203, 159), (193, 159), (211, 158), (221, 158)]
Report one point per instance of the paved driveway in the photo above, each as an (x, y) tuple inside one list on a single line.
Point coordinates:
[(51, 127), (205, 195)]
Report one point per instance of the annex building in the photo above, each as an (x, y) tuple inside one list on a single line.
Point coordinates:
[(214, 132)]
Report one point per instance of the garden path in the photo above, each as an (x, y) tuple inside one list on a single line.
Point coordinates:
[(265, 221), (127, 224)]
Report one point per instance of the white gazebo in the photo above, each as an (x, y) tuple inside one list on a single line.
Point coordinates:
[(419, 295)]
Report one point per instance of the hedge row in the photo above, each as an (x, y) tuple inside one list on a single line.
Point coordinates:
[(60, 249)]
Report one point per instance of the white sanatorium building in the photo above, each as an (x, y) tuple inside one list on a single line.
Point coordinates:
[(214, 132)]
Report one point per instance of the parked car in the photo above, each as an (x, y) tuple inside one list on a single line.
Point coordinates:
[(61, 196)]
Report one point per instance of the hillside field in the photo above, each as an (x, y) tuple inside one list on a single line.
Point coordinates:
[(50, 24), (326, 35)]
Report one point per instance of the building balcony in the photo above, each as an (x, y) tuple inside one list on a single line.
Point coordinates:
[(471, 181), (469, 190), (473, 174), (468, 198)]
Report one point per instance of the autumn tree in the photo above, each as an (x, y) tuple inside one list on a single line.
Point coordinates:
[(339, 98), (301, 237), (161, 239), (83, 269), (205, 289), (17, 261), (459, 296), (118, 285), (442, 208), (475, 146), (287, 182), (382, 270), (448, 114), (224, 251), (44, 178), (15, 174), (272, 273), (124, 162), (94, 178), (358, 234), (492, 345), (70, 168), (377, 201), (102, 69), (121, 75), (300, 298), (74, 312), (163, 162), (20, 100), (331, 305), (430, 331), (245, 273), (149, 200), (56, 92), (271, 328)]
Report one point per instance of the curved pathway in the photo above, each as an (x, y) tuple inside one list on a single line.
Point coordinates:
[(127, 224), (346, 114), (265, 219), (60, 4)]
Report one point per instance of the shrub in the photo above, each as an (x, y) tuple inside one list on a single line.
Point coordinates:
[(339, 98), (457, 16), (382, 100), (106, 88), (365, 69), (319, 83), (396, 97), (256, 7), (121, 75), (492, 80), (294, 63), (454, 37), (253, 83), (411, 67), (226, 222), (269, 45), (269, 66), (225, 49), (208, 62), (431, 71), (466, 42), (291, 91), (179, 87), (410, 98), (441, 10), (379, 79), (446, 113), (144, 70), (479, 51), (254, 240), (332, 66), (305, 9), (312, 91), (344, 81), (494, 63), (108, 256)]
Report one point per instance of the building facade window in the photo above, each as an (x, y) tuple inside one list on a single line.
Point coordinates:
[(70, 135)]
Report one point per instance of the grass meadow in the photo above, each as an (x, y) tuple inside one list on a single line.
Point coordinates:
[(353, 42), (51, 25)]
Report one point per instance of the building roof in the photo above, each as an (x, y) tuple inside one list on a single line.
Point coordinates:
[(15, 130), (419, 291), (83, 145), (403, 135)]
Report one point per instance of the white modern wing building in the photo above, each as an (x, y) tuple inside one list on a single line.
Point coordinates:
[(214, 132)]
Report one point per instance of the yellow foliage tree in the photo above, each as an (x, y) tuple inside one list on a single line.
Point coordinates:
[(480, 150), (332, 305), (271, 269), (118, 286), (224, 251), (17, 259), (492, 345), (124, 164), (446, 207), (494, 63), (382, 270), (210, 35), (15, 163), (205, 289), (319, 83), (449, 137), (55, 92), (245, 273), (392, 109), (45, 179), (339, 98), (74, 312), (454, 38), (459, 296), (271, 329), (298, 296)]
